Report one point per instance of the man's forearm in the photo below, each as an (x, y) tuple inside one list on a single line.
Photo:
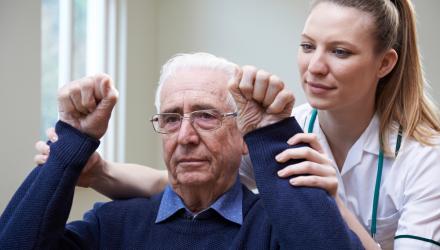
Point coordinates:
[(38, 220), (301, 216)]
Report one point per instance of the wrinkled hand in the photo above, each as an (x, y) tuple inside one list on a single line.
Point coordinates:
[(261, 98), (91, 171), (87, 104), (316, 169)]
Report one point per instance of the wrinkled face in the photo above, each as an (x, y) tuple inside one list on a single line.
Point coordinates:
[(337, 62), (193, 157)]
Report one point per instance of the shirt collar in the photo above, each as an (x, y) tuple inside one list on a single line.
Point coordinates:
[(228, 205), (367, 142), (371, 136)]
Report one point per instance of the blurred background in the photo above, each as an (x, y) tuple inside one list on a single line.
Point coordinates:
[(44, 44)]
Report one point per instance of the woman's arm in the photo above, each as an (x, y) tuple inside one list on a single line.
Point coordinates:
[(124, 180), (114, 180), (356, 226)]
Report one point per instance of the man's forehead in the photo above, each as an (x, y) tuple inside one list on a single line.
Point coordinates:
[(194, 88), (190, 100)]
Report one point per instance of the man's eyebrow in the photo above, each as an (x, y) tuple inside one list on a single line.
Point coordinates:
[(202, 107), (195, 107), (172, 110)]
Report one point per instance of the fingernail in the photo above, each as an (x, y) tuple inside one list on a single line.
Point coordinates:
[(278, 158), (280, 173), (292, 182), (55, 138)]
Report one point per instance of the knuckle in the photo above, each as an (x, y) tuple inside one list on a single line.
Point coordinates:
[(262, 75), (314, 180), (277, 83), (287, 96), (63, 93), (313, 137), (307, 152), (249, 69)]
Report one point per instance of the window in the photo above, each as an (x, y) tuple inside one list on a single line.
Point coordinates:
[(79, 38)]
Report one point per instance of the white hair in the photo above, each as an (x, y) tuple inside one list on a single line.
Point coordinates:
[(198, 60)]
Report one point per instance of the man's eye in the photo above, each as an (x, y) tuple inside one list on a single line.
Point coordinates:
[(170, 118), (205, 116), (306, 47)]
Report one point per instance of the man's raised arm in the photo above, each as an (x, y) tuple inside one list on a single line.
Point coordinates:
[(37, 215), (302, 217)]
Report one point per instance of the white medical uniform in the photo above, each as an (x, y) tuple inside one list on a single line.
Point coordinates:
[(409, 201)]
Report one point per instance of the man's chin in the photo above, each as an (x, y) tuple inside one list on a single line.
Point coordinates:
[(194, 179)]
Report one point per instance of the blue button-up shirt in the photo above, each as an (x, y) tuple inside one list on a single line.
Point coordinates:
[(229, 205)]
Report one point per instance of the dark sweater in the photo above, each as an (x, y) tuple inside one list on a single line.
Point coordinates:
[(284, 217)]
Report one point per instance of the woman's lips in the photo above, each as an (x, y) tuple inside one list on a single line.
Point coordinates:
[(319, 89)]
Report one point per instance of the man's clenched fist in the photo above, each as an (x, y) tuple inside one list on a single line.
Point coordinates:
[(87, 104), (261, 98)]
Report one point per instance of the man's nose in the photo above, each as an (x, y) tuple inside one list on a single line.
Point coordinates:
[(187, 133)]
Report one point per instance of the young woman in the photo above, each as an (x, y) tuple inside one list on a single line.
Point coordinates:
[(373, 132)]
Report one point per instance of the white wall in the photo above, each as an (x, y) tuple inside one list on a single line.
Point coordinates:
[(429, 41), (257, 32), (142, 74), (19, 91)]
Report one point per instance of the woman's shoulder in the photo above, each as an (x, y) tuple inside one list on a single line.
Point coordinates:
[(421, 159)]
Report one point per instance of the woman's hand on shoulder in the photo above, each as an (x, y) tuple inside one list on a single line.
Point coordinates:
[(315, 171)]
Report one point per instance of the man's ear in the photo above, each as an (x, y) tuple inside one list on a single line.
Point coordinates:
[(244, 148), (388, 62)]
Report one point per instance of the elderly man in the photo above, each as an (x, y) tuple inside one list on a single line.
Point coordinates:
[(205, 206)]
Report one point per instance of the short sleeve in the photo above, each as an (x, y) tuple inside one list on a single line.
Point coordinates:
[(419, 223)]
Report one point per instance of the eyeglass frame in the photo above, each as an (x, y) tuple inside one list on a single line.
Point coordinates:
[(188, 115)]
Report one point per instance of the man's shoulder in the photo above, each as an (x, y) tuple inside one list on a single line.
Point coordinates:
[(251, 202)]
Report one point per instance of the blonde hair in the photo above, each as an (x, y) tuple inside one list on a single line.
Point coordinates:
[(400, 96)]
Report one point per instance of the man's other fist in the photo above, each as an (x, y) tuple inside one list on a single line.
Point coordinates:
[(86, 104)]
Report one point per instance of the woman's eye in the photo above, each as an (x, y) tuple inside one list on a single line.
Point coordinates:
[(342, 53), (306, 47)]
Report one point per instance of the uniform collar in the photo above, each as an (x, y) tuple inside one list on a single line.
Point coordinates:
[(229, 205), (370, 137), (367, 142)]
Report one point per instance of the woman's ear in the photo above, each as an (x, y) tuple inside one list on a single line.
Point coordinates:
[(388, 62)]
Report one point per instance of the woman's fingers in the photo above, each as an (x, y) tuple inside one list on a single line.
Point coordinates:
[(307, 167), (326, 183), (40, 159), (305, 153), (42, 147), (307, 138), (51, 134)]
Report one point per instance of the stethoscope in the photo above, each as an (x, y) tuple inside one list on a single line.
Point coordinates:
[(378, 175)]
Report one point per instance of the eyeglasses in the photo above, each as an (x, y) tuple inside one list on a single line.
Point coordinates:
[(205, 120)]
